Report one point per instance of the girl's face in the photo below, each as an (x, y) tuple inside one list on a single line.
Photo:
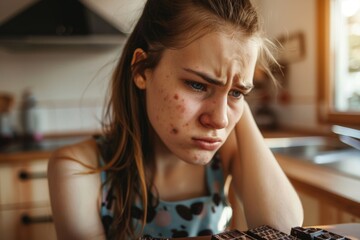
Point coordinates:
[(195, 95)]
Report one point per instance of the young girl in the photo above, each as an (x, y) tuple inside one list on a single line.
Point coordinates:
[(177, 127)]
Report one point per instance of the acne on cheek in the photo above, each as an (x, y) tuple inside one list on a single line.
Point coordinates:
[(173, 130), (181, 106)]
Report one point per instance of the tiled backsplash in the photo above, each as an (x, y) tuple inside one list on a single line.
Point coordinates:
[(70, 85), (60, 120)]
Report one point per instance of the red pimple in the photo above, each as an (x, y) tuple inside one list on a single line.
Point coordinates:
[(174, 131), (176, 96), (181, 108)]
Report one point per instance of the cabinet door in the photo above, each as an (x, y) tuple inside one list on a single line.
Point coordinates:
[(29, 224), (320, 210), (23, 184), (348, 217)]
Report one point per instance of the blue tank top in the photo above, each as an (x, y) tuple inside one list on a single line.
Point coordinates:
[(199, 216)]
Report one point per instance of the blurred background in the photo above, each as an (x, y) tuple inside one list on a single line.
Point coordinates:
[(68, 76), (53, 83)]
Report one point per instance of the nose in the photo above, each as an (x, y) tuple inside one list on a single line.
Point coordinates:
[(215, 115)]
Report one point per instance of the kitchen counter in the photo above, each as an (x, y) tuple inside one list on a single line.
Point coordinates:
[(18, 151), (324, 169), (337, 188), (350, 230)]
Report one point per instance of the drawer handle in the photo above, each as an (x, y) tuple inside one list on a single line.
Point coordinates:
[(24, 175), (26, 219)]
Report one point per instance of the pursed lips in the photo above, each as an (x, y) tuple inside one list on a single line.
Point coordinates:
[(207, 143)]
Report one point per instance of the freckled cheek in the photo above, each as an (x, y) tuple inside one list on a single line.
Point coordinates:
[(180, 108), (179, 105), (179, 115)]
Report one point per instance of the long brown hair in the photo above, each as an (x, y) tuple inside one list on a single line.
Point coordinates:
[(163, 24)]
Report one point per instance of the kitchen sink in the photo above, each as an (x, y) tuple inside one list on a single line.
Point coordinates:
[(306, 147), (325, 151)]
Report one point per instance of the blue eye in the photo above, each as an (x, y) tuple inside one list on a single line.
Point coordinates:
[(196, 86), (236, 94)]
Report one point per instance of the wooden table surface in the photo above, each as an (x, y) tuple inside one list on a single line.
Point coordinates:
[(350, 230)]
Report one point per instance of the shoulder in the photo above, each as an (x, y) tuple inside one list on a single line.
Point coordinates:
[(84, 153), (72, 164), (73, 183)]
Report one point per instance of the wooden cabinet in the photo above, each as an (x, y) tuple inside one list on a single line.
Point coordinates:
[(324, 210), (328, 197), (25, 211), (26, 223)]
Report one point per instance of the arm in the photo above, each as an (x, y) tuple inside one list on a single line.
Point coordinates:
[(75, 197), (267, 195)]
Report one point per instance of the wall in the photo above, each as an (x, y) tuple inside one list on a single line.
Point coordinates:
[(69, 83), (283, 17)]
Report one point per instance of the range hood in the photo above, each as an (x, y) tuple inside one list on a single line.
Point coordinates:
[(59, 22)]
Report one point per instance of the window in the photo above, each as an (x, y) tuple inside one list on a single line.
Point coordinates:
[(339, 61)]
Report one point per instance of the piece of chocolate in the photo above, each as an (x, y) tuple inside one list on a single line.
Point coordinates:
[(329, 236), (306, 233), (315, 234), (268, 233), (231, 235)]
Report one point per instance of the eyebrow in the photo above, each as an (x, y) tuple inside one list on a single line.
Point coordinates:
[(207, 78)]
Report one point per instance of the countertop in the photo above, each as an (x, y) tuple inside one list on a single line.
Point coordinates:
[(20, 151), (327, 181), (340, 188), (350, 230)]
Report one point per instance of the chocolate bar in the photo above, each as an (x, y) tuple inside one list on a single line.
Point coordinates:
[(231, 235), (305, 233), (266, 233), (152, 238), (315, 234)]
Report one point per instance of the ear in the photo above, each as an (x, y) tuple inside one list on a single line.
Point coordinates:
[(139, 79)]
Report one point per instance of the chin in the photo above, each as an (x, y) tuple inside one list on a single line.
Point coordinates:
[(200, 158)]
